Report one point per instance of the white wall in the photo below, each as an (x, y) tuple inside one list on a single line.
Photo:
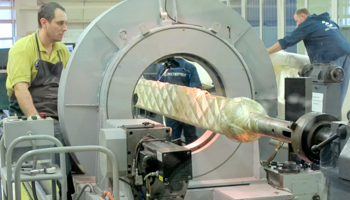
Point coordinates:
[(79, 12)]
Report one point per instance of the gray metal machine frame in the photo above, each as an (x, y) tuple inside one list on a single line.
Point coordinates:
[(116, 48)]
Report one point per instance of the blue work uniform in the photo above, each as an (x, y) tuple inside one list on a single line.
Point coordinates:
[(185, 74), (324, 43)]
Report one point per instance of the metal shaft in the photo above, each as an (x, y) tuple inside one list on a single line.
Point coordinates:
[(275, 128)]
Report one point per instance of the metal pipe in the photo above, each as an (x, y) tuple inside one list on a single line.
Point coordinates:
[(261, 18), (9, 155), (35, 162), (68, 150)]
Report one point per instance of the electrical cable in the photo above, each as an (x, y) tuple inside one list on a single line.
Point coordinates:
[(274, 153), (163, 74), (167, 65), (107, 193), (151, 174), (35, 196), (147, 158), (149, 188), (27, 191), (92, 190), (130, 184), (147, 192), (233, 153), (138, 149), (148, 182)]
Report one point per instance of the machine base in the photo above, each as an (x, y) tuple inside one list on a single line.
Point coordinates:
[(253, 191)]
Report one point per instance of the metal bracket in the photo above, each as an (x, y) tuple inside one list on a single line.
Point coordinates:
[(215, 27), (165, 21), (144, 29), (123, 35), (174, 11)]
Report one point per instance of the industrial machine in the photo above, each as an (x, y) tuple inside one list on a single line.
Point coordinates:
[(96, 100), (326, 88), (117, 47), (148, 161)]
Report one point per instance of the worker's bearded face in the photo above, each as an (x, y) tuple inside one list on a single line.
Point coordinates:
[(58, 25)]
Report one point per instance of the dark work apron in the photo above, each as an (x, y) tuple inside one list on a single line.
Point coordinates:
[(44, 87)]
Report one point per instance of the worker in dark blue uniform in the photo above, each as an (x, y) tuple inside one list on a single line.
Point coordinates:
[(323, 41), (178, 71)]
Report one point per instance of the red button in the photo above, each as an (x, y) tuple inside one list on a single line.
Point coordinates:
[(42, 115)]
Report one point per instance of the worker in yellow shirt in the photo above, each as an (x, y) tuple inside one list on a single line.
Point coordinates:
[(34, 69), (35, 64)]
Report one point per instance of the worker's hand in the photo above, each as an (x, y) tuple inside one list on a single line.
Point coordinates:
[(274, 48), (24, 98)]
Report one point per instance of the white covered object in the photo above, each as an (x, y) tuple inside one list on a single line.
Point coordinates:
[(286, 65), (231, 117)]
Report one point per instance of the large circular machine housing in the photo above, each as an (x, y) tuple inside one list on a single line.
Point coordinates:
[(117, 47)]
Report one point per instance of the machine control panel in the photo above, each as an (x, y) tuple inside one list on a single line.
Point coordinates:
[(15, 127)]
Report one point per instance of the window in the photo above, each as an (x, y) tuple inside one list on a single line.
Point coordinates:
[(344, 18), (253, 14), (6, 24), (291, 7), (236, 5), (269, 36)]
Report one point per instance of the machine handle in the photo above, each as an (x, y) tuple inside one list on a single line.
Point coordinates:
[(316, 148)]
